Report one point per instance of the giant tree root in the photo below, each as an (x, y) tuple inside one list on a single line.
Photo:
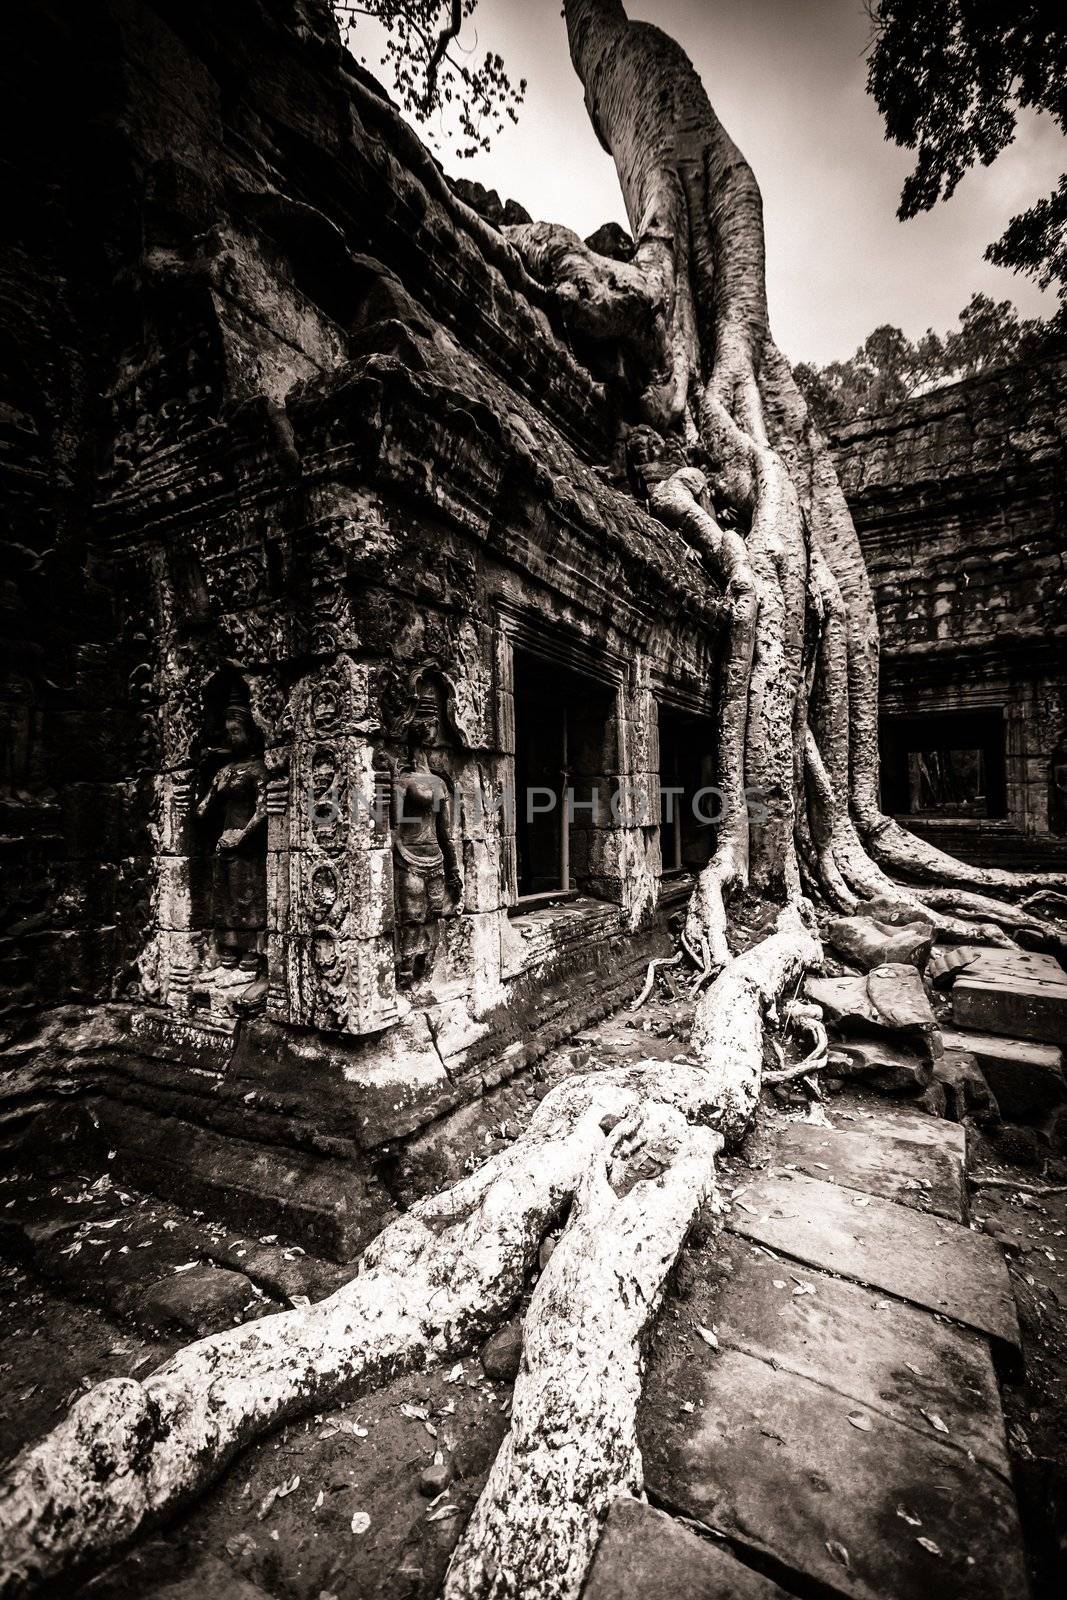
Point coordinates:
[(572, 1448), (130, 1453), (901, 851), (972, 908), (573, 1442)]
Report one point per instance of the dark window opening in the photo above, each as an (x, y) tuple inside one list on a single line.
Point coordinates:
[(686, 767), (948, 764), (566, 762)]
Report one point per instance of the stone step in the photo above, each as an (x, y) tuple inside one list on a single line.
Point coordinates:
[(915, 1126), (1020, 1008), (1031, 964), (876, 1160), (145, 1261), (890, 1357), (117, 1251), (968, 1096), (890, 999), (926, 1260), (823, 1430), (329, 1206), (846, 1443), (1027, 1078), (953, 961)]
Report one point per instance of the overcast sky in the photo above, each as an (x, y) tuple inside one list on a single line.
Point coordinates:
[(787, 78)]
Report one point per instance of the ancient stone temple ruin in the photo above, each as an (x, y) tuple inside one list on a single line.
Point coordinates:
[(496, 1108), (958, 500), (315, 576)]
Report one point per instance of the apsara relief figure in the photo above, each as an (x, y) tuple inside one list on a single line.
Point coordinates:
[(426, 877)]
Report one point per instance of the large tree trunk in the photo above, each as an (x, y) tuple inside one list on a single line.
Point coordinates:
[(729, 456), (811, 741)]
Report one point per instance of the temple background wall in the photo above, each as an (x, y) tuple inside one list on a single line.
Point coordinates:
[(960, 498)]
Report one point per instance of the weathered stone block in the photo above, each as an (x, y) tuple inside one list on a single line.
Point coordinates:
[(606, 847), (923, 1259), (1027, 1078), (481, 877), (884, 1065), (485, 958), (878, 1159), (178, 1038), (61, 964), (640, 734), (967, 1091), (92, 820), (332, 1207), (455, 1031), (949, 962), (180, 955), (1016, 1007), (872, 943), (890, 998), (990, 962), (377, 1089), (173, 891), (644, 1554), (340, 985), (204, 1300)]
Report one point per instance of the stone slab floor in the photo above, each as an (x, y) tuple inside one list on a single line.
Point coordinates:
[(825, 1408), (842, 1427)]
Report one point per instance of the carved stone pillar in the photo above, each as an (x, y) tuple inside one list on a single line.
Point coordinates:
[(637, 836), (177, 940), (279, 807), (333, 901)]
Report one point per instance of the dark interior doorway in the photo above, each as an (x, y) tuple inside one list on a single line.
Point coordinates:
[(686, 767), (944, 764), (565, 741)]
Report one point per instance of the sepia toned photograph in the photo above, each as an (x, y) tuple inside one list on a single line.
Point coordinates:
[(533, 800)]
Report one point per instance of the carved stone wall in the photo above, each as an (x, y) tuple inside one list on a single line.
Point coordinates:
[(960, 498), (319, 452)]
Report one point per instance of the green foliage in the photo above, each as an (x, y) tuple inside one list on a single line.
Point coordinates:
[(889, 368), (432, 69), (949, 77)]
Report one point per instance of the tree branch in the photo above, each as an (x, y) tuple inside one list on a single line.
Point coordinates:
[(444, 39)]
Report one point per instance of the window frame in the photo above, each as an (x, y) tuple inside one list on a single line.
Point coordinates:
[(555, 648)]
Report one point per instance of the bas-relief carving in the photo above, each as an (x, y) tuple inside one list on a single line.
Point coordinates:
[(427, 882), (209, 944), (334, 930), (309, 837), (235, 804), (231, 814)]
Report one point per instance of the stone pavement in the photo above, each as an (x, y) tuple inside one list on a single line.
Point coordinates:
[(822, 1413), (822, 1404)]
